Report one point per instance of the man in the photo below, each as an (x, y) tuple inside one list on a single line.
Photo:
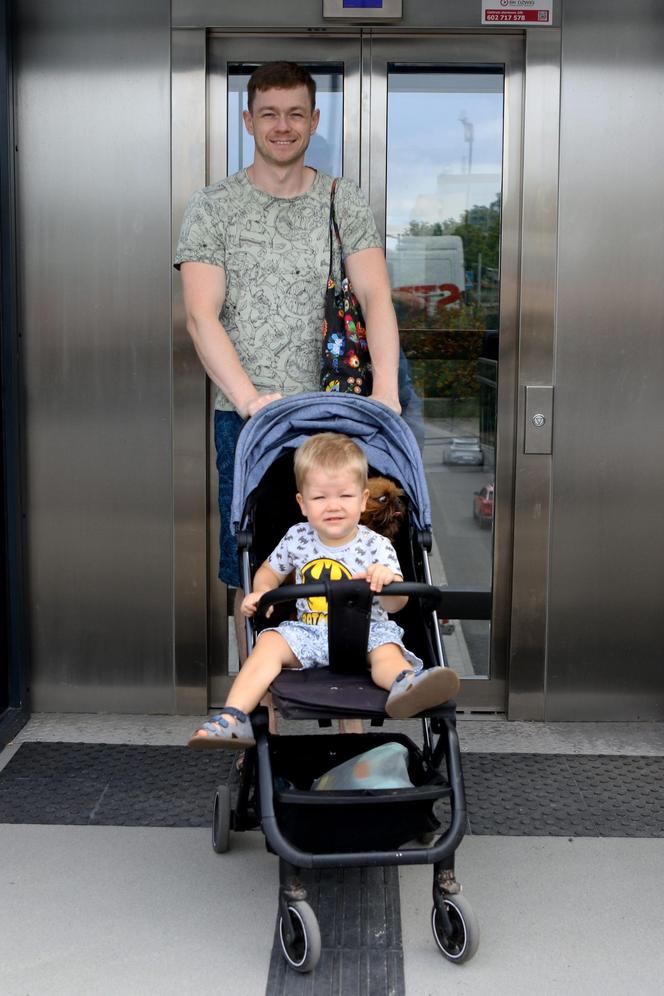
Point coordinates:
[(254, 258)]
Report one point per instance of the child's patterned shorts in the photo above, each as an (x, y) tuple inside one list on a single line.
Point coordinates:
[(309, 643)]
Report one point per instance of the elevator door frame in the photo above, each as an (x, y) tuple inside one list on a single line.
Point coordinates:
[(527, 287)]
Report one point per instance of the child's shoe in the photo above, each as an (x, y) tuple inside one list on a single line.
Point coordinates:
[(218, 732), (412, 693)]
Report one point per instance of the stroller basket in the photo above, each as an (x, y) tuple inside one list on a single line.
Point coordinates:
[(345, 821)]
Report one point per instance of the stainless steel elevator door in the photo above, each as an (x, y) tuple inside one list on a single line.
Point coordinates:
[(430, 127)]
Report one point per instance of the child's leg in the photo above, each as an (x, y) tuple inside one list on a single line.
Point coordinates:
[(386, 662), (270, 654), (231, 727), (410, 692)]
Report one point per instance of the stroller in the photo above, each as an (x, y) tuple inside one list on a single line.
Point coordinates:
[(310, 828)]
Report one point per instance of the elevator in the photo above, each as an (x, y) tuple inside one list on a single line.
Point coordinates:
[(513, 173), (430, 125)]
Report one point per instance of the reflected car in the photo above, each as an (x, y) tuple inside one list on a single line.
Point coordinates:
[(463, 452), (483, 505)]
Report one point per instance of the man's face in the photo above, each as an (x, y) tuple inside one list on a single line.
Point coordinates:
[(282, 123)]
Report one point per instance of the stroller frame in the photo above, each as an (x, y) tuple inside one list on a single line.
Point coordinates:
[(268, 794)]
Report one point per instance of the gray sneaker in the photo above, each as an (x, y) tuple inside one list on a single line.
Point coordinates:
[(219, 732), (413, 693)]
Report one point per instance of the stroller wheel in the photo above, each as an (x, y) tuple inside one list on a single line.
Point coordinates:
[(303, 950), (221, 820), (462, 942)]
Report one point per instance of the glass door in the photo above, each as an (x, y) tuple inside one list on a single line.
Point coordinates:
[(430, 127), (444, 183), (335, 65)]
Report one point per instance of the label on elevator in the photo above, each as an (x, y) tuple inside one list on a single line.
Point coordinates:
[(534, 13)]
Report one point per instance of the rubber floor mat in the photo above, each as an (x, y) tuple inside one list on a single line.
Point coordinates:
[(358, 911), (111, 785), (567, 795), (508, 794)]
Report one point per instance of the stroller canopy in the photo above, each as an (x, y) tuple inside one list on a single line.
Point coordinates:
[(388, 443)]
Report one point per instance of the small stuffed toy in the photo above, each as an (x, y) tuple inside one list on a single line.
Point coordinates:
[(386, 507)]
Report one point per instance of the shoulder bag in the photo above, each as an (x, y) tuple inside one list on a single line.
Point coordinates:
[(345, 360)]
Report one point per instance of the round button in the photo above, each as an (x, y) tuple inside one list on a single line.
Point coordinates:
[(538, 420)]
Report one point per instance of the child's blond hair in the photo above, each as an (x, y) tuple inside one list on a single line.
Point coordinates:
[(330, 451)]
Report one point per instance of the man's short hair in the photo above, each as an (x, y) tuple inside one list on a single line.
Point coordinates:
[(280, 76), (330, 451)]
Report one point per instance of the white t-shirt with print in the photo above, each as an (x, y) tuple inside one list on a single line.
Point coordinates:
[(301, 550)]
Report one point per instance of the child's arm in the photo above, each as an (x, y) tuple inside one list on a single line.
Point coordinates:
[(265, 579), (378, 575)]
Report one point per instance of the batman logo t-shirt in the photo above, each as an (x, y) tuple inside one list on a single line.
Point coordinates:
[(302, 551)]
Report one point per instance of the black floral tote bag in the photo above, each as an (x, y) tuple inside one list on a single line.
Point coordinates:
[(345, 360)]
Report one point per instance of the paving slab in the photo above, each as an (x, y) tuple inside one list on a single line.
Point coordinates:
[(108, 911), (558, 917)]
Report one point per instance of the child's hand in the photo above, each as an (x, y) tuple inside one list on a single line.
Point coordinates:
[(378, 575), (250, 604)]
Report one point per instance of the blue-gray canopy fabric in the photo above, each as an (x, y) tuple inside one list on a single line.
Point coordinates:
[(387, 441)]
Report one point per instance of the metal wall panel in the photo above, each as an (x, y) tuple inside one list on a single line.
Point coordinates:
[(93, 172), (607, 557), (264, 14)]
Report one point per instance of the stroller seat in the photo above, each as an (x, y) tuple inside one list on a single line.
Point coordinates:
[(319, 693)]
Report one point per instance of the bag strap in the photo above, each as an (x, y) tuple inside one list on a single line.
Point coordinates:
[(334, 228)]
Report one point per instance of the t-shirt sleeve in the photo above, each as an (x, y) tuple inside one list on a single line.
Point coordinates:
[(281, 559), (380, 550), (355, 219), (388, 556), (201, 235)]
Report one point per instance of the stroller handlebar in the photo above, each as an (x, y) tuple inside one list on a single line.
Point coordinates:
[(348, 590)]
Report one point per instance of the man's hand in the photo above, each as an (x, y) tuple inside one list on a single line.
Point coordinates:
[(260, 402)]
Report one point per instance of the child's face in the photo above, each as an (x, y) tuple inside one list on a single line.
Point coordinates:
[(333, 503)]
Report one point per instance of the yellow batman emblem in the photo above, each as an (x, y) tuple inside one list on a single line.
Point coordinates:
[(321, 569)]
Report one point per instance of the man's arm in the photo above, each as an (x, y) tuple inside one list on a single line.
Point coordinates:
[(204, 290), (367, 273)]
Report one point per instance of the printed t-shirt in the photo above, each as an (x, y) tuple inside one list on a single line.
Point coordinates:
[(302, 551), (275, 254)]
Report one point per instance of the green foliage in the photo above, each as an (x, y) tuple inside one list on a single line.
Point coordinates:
[(444, 347), (479, 228)]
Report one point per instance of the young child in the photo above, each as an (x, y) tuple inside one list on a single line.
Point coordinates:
[(331, 478)]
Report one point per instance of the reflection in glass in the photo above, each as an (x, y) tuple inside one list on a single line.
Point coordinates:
[(444, 179), (325, 150)]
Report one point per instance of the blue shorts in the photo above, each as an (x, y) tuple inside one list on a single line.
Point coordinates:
[(227, 428), (309, 643)]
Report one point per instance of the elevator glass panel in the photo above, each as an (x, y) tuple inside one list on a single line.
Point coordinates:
[(443, 219), (325, 150)]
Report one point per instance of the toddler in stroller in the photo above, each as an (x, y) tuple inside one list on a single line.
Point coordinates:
[(331, 475), (280, 787)]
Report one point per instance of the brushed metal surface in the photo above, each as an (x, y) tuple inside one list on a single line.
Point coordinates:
[(538, 419), (93, 170), (532, 480), (451, 14), (190, 425), (605, 604)]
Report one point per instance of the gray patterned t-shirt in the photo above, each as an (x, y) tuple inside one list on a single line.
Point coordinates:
[(301, 550), (275, 254)]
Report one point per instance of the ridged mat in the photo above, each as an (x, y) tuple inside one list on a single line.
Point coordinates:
[(508, 794)]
